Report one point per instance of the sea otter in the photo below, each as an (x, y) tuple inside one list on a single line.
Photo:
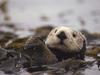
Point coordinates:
[(65, 43)]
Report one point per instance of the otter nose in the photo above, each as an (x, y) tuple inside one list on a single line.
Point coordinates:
[(62, 36)]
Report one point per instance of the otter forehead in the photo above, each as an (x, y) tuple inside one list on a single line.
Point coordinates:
[(65, 29)]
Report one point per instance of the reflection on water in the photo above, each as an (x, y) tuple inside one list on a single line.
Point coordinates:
[(92, 71)]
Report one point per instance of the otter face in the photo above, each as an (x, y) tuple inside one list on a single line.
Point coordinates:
[(65, 39)]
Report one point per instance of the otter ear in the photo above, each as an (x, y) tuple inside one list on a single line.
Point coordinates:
[(84, 42), (81, 40)]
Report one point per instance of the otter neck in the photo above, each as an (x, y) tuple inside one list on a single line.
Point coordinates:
[(65, 55)]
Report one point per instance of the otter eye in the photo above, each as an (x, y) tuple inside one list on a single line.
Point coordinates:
[(74, 35), (55, 30)]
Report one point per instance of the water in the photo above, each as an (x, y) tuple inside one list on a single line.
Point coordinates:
[(74, 13)]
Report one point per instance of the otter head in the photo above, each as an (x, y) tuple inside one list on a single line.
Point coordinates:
[(65, 39)]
